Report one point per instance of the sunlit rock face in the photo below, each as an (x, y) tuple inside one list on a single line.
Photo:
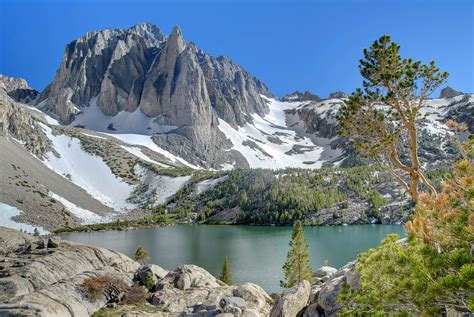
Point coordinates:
[(165, 77)]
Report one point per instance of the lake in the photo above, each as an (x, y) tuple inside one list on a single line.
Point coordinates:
[(256, 254)]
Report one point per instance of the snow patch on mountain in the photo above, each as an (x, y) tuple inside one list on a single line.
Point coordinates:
[(326, 109), (277, 108), (208, 184), (166, 186), (48, 116), (435, 113), (146, 141), (87, 217), (93, 118), (437, 109), (160, 187), (138, 153), (267, 142), (87, 171), (94, 136), (7, 212)]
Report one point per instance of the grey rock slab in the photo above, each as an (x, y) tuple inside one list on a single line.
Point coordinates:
[(48, 284), (324, 271), (292, 301), (328, 296)]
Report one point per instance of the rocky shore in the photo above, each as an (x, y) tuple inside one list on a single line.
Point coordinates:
[(52, 277)]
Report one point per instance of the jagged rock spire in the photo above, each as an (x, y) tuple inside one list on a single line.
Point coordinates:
[(168, 79)]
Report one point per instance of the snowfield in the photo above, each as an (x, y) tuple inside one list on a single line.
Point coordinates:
[(268, 143), (165, 186), (146, 141), (87, 217), (7, 212), (326, 108), (160, 187), (208, 184), (435, 111), (49, 117), (136, 122), (94, 136), (138, 153), (271, 141), (87, 171)]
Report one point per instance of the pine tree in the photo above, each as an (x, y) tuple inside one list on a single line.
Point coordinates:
[(226, 275), (297, 266), (385, 133), (141, 255)]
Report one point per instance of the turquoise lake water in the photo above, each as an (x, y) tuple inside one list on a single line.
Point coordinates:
[(256, 253)]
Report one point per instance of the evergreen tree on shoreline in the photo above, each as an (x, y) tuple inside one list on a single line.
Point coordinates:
[(297, 266), (226, 275)]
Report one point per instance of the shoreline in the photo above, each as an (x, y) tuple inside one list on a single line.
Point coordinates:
[(125, 226)]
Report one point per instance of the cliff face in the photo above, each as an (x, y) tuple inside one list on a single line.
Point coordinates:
[(107, 65), (233, 92), (19, 124), (140, 69)]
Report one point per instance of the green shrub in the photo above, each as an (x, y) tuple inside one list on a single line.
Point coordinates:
[(149, 282)]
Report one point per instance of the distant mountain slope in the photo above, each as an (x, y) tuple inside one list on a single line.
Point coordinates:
[(270, 142), (317, 120)]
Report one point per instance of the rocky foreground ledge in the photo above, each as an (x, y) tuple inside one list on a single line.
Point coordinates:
[(44, 277)]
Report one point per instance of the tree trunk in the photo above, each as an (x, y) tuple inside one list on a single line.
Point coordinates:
[(415, 162), (414, 180)]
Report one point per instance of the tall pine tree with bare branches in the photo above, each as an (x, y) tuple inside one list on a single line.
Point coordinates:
[(382, 117)]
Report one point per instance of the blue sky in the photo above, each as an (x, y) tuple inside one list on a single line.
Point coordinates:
[(289, 45)]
